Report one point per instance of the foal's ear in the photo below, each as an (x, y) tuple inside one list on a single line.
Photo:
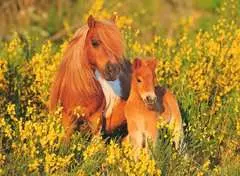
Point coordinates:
[(152, 63), (137, 63), (113, 18), (91, 21)]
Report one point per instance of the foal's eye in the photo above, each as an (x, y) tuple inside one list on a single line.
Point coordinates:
[(139, 80), (95, 43)]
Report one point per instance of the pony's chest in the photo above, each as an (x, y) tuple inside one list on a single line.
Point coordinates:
[(112, 92)]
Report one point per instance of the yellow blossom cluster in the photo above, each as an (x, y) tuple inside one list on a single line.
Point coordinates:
[(3, 70), (13, 46), (98, 10)]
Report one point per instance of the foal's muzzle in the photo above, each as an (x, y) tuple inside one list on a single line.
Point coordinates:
[(111, 71), (150, 101)]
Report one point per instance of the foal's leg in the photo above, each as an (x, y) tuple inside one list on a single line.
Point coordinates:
[(137, 139)]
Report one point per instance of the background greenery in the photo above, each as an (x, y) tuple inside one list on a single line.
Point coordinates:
[(45, 18), (197, 44)]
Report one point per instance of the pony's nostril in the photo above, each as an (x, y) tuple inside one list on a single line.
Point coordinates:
[(117, 68), (108, 67)]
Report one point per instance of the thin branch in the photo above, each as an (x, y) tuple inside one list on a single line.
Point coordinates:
[(62, 33)]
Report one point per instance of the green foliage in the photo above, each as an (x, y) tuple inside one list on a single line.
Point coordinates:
[(208, 4)]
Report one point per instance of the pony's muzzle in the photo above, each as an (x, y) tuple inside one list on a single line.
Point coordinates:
[(111, 71)]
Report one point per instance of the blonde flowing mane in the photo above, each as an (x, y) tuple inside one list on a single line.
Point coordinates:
[(75, 82)]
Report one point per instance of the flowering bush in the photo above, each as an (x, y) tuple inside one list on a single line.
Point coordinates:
[(202, 70)]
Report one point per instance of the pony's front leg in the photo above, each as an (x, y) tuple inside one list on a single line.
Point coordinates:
[(95, 123), (95, 120), (117, 118)]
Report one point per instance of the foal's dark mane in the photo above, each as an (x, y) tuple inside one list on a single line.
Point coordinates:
[(125, 78)]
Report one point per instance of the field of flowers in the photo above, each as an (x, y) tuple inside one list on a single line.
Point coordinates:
[(202, 69)]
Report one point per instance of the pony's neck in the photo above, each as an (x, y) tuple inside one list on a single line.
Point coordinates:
[(112, 92)]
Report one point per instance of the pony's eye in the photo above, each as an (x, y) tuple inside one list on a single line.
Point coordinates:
[(95, 43), (139, 80)]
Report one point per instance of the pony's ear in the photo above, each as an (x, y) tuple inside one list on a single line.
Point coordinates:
[(137, 63), (113, 18), (152, 63), (91, 21)]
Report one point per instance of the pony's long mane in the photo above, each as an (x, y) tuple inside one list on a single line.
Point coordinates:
[(75, 82)]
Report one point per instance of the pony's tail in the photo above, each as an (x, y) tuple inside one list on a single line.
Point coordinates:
[(54, 96), (55, 91)]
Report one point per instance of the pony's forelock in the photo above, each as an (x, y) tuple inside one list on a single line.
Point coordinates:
[(111, 38)]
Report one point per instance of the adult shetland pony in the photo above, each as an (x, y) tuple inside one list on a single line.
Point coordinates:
[(148, 104), (97, 46)]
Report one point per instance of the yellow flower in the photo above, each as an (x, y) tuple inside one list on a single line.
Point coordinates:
[(33, 166), (13, 46), (96, 146), (3, 70), (124, 21), (2, 159), (113, 153), (238, 126)]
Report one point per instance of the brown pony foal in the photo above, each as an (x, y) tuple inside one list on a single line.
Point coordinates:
[(148, 104)]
